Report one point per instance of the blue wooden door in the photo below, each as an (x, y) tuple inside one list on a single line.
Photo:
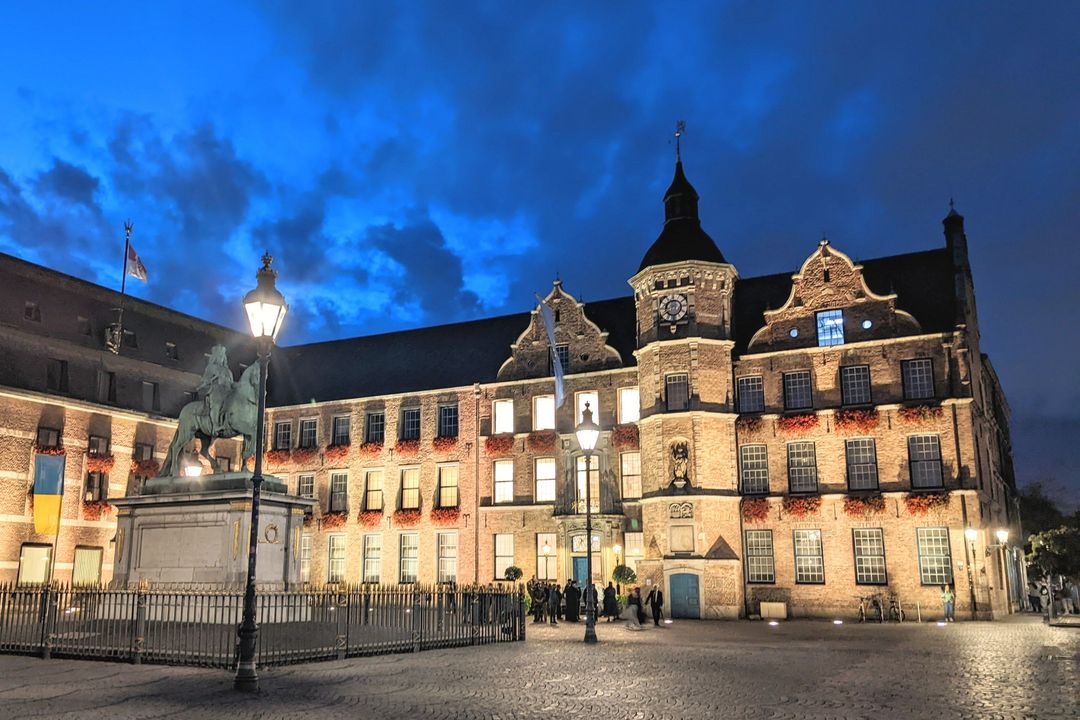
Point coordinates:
[(581, 570), (685, 600)]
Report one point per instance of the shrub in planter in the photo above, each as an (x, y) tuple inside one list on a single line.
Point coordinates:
[(499, 444), (445, 516), (513, 573), (860, 507), (99, 463), (922, 503), (371, 449), (43, 450), (331, 520), (919, 413), (541, 440), (369, 518), (277, 457), (755, 509), (750, 424), (801, 506), (145, 468), (337, 453), (624, 575), (862, 421), (96, 509), (444, 444), (625, 436), (797, 424), (407, 447), (406, 518), (305, 456)]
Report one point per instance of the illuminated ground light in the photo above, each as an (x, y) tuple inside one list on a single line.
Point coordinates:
[(773, 623), (668, 622), (837, 622), (941, 624)]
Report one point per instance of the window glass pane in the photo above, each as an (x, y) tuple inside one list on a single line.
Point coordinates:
[(448, 421), (305, 559), (751, 394), (335, 569), (376, 427), (802, 467), (629, 405), (593, 489), (635, 543), (282, 435), (869, 556), (410, 424), (677, 392), (924, 456), (504, 554), (563, 353), (809, 563), (759, 557), (544, 412), (545, 480), (861, 464), (503, 416), (631, 474), (594, 405), (372, 558), (305, 486), (797, 390), (935, 558), (504, 481), (342, 428), (830, 328), (918, 377), (339, 486), (754, 465), (409, 557), (373, 493), (546, 556), (855, 384), (87, 566), (34, 564), (447, 557), (410, 488), (448, 486), (308, 430)]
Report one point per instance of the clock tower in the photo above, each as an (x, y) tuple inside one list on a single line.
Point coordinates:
[(690, 502)]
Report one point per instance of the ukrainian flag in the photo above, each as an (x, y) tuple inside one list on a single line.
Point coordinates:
[(48, 493)]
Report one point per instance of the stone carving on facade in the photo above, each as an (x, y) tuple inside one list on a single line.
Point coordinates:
[(680, 464), (678, 511)]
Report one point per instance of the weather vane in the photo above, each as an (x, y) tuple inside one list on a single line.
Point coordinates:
[(680, 128)]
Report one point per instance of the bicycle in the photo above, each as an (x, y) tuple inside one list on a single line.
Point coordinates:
[(896, 611), (874, 601)]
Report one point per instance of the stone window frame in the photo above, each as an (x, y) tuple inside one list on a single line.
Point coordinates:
[(409, 497), (754, 469), (375, 426), (935, 556), (855, 390), (446, 564), (336, 543), (408, 558), (503, 550), (97, 487), (745, 390), (623, 475), (809, 550), (680, 382), (798, 381), (801, 463), (925, 462), (411, 419), (370, 492), (862, 465), (282, 435), (550, 494), (444, 497), (562, 351), (338, 499), (337, 437), (829, 334), (448, 420), (305, 485), (308, 433), (868, 551), (760, 561), (371, 557), (917, 378)]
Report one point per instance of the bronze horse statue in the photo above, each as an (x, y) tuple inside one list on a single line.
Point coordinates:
[(238, 418)]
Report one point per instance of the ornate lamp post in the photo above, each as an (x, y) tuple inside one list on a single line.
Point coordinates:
[(266, 310), (971, 533), (1002, 535), (587, 434)]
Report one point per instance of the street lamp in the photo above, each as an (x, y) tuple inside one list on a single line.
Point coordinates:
[(266, 310), (971, 533), (617, 549), (1002, 535), (587, 433)]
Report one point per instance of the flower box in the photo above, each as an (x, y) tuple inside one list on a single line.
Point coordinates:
[(625, 436), (371, 449), (861, 421), (862, 507), (499, 444), (305, 456), (541, 441), (755, 509), (922, 503), (919, 413), (445, 444), (337, 453), (99, 463), (277, 457), (797, 424), (799, 506), (407, 447), (96, 509), (446, 516), (369, 518), (407, 518), (48, 450), (749, 424), (145, 468), (331, 520)]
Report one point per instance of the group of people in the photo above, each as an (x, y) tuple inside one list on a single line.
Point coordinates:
[(1064, 595), (550, 603), (634, 613)]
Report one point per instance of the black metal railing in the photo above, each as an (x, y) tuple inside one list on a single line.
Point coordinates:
[(197, 627)]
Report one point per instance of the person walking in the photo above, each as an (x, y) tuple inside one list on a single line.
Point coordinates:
[(554, 600), (633, 614), (1034, 598), (948, 599), (611, 603), (656, 604)]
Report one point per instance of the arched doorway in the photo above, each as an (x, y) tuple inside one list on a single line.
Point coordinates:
[(685, 596)]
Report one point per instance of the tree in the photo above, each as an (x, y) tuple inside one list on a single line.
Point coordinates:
[(513, 573), (1038, 511), (1056, 552)]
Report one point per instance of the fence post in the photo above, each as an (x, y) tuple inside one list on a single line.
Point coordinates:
[(342, 624), (48, 608), (416, 618), (474, 615), (140, 628), (521, 614)]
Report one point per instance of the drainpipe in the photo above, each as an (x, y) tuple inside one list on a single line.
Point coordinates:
[(476, 484)]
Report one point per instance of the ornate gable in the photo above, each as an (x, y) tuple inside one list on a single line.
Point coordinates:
[(829, 280), (586, 345)]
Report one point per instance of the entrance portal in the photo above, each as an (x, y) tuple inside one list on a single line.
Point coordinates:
[(581, 570), (685, 600)]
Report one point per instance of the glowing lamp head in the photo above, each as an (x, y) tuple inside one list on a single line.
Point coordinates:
[(547, 549), (971, 533), (1002, 536), (617, 549), (193, 470), (265, 306), (587, 431)]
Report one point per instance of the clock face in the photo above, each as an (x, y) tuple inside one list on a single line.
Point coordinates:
[(673, 307)]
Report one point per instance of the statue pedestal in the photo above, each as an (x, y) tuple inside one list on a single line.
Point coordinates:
[(194, 532)]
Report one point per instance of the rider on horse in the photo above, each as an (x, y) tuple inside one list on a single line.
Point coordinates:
[(217, 383)]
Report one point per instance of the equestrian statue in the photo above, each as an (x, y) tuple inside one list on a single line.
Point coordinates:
[(226, 408)]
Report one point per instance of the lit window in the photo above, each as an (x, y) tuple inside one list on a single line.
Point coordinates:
[(802, 467), (545, 480), (34, 564), (677, 392), (797, 390), (862, 473), (87, 566), (629, 405), (341, 429), (630, 465), (335, 567), (754, 469), (869, 556), (409, 556), (635, 543), (339, 487), (503, 416), (373, 490), (305, 559), (594, 485), (305, 486), (809, 562), (924, 456), (593, 399), (546, 562), (751, 394), (759, 557), (918, 378), (447, 553), (935, 558), (410, 488), (504, 481), (544, 412), (830, 328), (308, 431), (372, 558), (855, 384), (448, 486), (504, 554)]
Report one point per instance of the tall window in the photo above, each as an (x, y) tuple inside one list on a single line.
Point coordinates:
[(593, 399), (862, 471), (924, 457), (56, 376), (151, 396), (87, 566), (855, 384), (754, 468), (409, 555), (410, 488), (751, 392), (448, 421), (546, 558), (97, 446), (305, 559), (935, 559), (48, 437), (341, 429), (562, 352), (373, 490), (504, 554), (106, 386), (759, 557), (375, 430), (809, 563), (504, 481), (305, 486), (447, 556), (545, 480), (918, 378), (594, 485), (97, 487), (372, 558), (629, 405), (830, 328), (630, 467), (339, 492), (677, 392), (544, 412), (869, 556), (32, 311), (282, 435), (335, 566), (802, 467), (142, 452), (448, 486), (34, 564), (635, 548), (502, 413), (410, 423), (308, 431), (797, 390)]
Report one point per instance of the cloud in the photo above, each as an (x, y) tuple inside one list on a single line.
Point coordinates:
[(67, 182)]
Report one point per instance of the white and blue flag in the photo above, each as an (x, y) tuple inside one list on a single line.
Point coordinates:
[(556, 364)]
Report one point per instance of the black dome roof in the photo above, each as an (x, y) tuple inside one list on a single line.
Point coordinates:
[(682, 237)]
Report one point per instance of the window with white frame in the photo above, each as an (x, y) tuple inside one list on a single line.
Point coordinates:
[(855, 384), (802, 467), (869, 546), (410, 423), (629, 405), (448, 421), (502, 413), (677, 392), (594, 485), (544, 412), (34, 564), (372, 570), (798, 394), (751, 391), (562, 352), (630, 470), (935, 557), (918, 378), (339, 491), (410, 488), (409, 557), (335, 565), (86, 569), (862, 473), (448, 486), (504, 481), (593, 399), (760, 566), (305, 559), (681, 538), (447, 554), (546, 557), (373, 490), (375, 430), (342, 427), (545, 480), (809, 561), (283, 435), (924, 457), (504, 554), (309, 428), (305, 486), (754, 468), (830, 328), (635, 549)]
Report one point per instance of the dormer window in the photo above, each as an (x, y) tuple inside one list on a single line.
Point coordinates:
[(563, 353), (32, 312), (830, 328), (171, 351)]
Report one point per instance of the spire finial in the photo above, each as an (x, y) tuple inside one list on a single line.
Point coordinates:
[(267, 258), (128, 227), (951, 204), (680, 128)]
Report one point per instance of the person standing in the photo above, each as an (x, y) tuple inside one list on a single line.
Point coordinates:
[(656, 604), (1034, 598), (611, 603), (948, 599), (573, 600), (554, 600)]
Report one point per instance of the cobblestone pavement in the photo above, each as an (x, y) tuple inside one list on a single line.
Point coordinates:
[(1014, 669)]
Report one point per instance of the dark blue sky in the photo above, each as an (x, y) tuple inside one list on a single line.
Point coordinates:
[(420, 163)]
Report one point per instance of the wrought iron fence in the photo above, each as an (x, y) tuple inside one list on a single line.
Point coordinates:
[(192, 627)]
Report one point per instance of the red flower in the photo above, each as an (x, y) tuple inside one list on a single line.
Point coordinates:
[(801, 506), (277, 457), (919, 413), (369, 518), (921, 503), (96, 509), (499, 444), (444, 444), (407, 518), (371, 449), (47, 450), (407, 447), (445, 516), (337, 453), (755, 509), (331, 520), (541, 440), (855, 506), (145, 468), (304, 456), (625, 436), (862, 421), (797, 424), (99, 463)]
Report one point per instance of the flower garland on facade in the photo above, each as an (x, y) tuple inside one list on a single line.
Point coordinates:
[(331, 520), (407, 447), (100, 463), (337, 453), (369, 518), (145, 468), (445, 516), (305, 456), (445, 444), (856, 506), (862, 421), (371, 449), (407, 518), (922, 503), (755, 509), (541, 441), (797, 424), (919, 413), (801, 506), (625, 436), (499, 444), (96, 509), (277, 457), (749, 424), (49, 450)]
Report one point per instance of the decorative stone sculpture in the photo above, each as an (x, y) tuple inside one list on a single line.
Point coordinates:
[(680, 464)]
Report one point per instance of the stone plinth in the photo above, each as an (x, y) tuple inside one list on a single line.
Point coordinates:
[(194, 531)]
